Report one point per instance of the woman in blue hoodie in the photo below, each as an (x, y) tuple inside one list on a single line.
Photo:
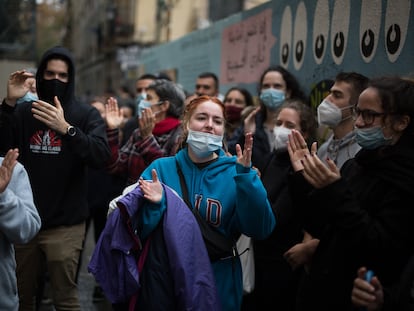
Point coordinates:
[(226, 190)]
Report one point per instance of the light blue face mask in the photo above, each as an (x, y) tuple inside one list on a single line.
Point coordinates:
[(28, 97), (272, 98), (204, 144), (143, 104), (139, 98), (371, 138)]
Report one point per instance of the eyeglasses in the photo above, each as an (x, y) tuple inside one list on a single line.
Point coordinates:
[(367, 115)]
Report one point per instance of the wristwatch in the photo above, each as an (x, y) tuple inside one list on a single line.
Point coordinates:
[(71, 131)]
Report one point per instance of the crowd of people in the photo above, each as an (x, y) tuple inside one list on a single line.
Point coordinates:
[(171, 178)]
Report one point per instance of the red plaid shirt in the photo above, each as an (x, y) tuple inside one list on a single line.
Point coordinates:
[(131, 159)]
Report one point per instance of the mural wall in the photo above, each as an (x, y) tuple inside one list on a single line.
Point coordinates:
[(314, 39)]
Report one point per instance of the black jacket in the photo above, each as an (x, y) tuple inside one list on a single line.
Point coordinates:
[(57, 164), (363, 219), (275, 281)]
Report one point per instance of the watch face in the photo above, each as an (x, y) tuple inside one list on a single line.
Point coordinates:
[(71, 131)]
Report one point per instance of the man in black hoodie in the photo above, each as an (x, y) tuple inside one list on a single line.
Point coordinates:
[(58, 139)]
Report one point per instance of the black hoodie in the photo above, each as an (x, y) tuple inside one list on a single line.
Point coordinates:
[(57, 164)]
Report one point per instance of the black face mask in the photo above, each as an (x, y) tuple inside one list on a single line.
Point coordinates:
[(51, 88)]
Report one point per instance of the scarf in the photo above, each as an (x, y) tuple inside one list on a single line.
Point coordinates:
[(165, 126)]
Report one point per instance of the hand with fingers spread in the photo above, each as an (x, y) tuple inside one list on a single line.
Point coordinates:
[(147, 123), (152, 190), (244, 158), (6, 168), (51, 115), (113, 115), (18, 85), (313, 169)]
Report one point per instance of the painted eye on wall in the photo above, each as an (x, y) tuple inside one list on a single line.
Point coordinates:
[(320, 30), (339, 30), (300, 34), (285, 37), (285, 53), (319, 48), (369, 28), (396, 26), (367, 43)]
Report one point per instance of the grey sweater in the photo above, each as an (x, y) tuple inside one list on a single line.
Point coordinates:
[(19, 222)]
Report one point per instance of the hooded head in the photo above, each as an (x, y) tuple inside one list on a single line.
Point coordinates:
[(46, 89)]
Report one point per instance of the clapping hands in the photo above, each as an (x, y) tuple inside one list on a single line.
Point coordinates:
[(306, 161)]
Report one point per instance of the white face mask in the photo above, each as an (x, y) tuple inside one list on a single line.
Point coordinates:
[(204, 144), (281, 137), (329, 114)]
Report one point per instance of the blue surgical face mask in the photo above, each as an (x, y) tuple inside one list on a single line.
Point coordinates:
[(143, 104), (139, 98), (371, 138), (272, 98), (204, 144), (28, 97)]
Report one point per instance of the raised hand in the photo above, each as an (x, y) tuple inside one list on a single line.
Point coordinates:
[(6, 168), (113, 115), (18, 85), (244, 158), (250, 122), (146, 123), (298, 149), (317, 173), (313, 169), (152, 190), (51, 115)]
